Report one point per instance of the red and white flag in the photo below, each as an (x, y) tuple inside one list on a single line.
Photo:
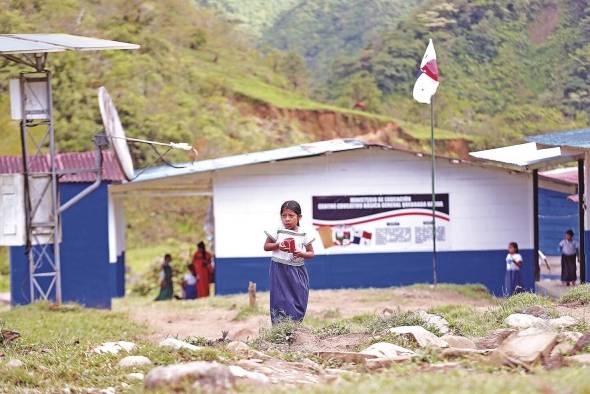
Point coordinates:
[(427, 81)]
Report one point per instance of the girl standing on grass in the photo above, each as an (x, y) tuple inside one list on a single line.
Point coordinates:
[(512, 281), (289, 282)]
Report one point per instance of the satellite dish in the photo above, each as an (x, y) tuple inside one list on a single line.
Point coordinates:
[(115, 133)]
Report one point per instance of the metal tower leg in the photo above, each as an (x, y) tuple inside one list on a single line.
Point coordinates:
[(43, 228)]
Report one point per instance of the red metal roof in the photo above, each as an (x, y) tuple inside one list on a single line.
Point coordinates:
[(68, 161), (569, 174)]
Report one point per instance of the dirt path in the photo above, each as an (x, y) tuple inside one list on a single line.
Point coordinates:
[(208, 318)]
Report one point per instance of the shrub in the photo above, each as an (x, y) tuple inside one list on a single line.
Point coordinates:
[(380, 324), (339, 327), (280, 333), (579, 294)]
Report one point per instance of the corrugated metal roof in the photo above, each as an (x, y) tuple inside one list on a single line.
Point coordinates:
[(292, 152), (523, 156), (568, 174), (68, 161), (579, 138)]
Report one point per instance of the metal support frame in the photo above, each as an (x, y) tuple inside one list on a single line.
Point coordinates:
[(581, 214), (43, 228), (537, 270)]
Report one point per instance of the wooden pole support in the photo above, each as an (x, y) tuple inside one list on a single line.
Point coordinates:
[(252, 294)]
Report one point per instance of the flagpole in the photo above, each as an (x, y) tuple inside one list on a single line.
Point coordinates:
[(433, 173)]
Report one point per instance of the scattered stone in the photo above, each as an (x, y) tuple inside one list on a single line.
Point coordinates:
[(312, 365), (495, 338), (378, 363), (207, 375), (387, 351), (562, 322), (537, 311), (457, 352), (114, 347), (387, 312), (134, 361), (523, 321), (346, 357), (570, 336), (108, 390), (526, 347), (582, 342), (15, 363), (562, 349), (458, 342), (446, 366), (238, 347), (583, 358), (420, 335), (135, 376), (177, 344), (239, 372), (441, 324)]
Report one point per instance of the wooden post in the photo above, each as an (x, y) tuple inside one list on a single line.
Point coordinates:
[(252, 294)]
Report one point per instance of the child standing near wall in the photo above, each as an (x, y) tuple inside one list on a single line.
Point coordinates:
[(569, 250), (289, 282), (512, 281)]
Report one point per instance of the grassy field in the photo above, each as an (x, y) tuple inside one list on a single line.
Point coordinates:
[(56, 343)]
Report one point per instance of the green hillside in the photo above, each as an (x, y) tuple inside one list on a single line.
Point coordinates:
[(508, 67), (255, 16), (324, 30)]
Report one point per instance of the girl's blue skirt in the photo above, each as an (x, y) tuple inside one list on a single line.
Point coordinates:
[(512, 283), (289, 291)]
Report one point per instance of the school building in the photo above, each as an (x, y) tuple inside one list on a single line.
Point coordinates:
[(369, 208), (92, 272)]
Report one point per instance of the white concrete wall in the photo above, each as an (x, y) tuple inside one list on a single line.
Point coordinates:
[(489, 207)]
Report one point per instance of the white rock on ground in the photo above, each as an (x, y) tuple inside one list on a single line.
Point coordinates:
[(570, 336), (495, 338), (583, 358), (15, 363), (458, 342), (562, 322), (108, 390), (114, 347), (135, 376), (522, 321), (384, 350), (239, 372), (422, 336), (177, 344), (134, 361), (441, 324), (238, 347), (527, 346), (562, 349), (210, 376)]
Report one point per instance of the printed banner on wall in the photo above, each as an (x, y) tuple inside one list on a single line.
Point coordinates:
[(381, 223)]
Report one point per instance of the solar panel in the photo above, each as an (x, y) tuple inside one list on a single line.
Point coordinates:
[(11, 46), (39, 43)]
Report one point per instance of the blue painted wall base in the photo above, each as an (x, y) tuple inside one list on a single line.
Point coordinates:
[(379, 270), (587, 253), (87, 276)]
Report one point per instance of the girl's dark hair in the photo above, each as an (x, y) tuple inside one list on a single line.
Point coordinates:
[(293, 206), (570, 232), (167, 256), (514, 245)]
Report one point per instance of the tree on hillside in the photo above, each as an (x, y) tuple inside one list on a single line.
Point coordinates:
[(295, 69), (361, 90)]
